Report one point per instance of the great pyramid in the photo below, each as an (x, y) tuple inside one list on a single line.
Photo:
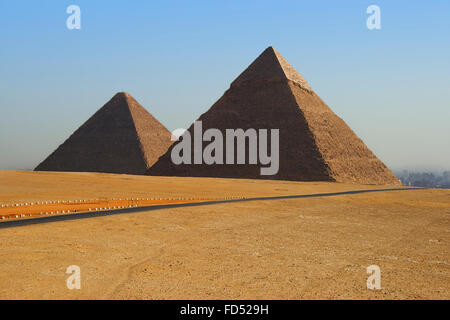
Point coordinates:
[(314, 143), (121, 137)]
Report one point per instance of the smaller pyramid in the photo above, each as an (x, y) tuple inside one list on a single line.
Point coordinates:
[(121, 137)]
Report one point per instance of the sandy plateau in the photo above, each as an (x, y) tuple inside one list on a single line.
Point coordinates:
[(315, 248)]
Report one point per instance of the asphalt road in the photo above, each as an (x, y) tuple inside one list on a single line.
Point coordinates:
[(84, 215)]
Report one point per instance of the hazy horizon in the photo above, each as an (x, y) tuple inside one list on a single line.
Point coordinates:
[(391, 86)]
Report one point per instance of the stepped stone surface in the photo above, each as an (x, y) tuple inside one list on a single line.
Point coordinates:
[(315, 144), (121, 137)]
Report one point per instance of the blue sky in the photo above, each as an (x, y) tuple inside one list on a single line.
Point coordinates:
[(392, 86)]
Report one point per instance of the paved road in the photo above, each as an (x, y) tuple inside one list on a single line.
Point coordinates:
[(83, 215)]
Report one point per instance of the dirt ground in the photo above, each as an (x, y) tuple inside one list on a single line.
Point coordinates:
[(316, 248)]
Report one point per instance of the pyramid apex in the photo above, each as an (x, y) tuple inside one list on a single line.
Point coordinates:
[(270, 50), (271, 65), (123, 98), (122, 94)]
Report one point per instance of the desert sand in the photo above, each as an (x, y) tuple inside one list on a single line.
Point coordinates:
[(316, 248)]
